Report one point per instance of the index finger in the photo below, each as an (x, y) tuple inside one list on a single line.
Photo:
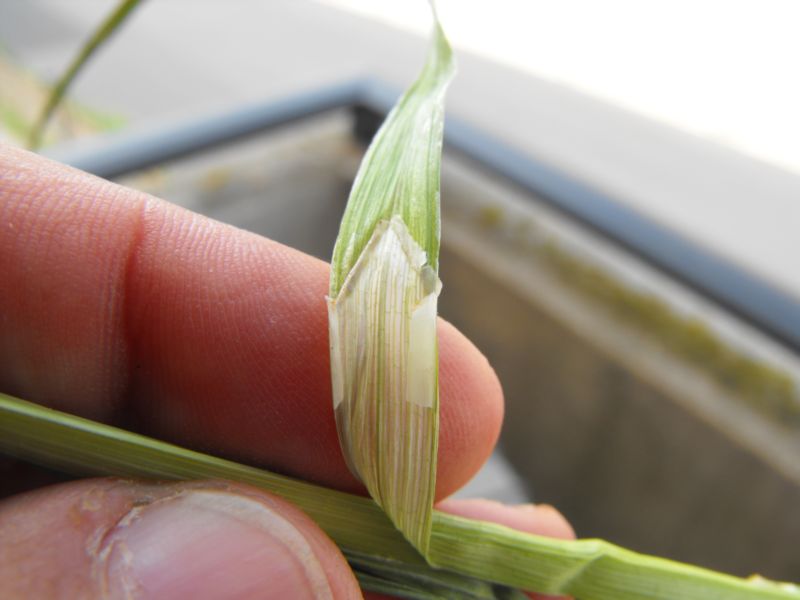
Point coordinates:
[(124, 308)]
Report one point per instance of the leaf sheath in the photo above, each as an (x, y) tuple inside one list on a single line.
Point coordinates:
[(587, 569)]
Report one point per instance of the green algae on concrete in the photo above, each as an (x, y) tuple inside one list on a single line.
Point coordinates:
[(767, 389)]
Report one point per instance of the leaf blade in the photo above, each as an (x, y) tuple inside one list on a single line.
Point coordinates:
[(382, 306), (394, 170), (464, 548)]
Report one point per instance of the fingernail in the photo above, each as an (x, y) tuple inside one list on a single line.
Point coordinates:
[(210, 544)]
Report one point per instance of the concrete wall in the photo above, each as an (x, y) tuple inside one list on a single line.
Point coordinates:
[(634, 443)]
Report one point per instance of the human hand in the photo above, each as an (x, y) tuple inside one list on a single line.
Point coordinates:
[(128, 310)]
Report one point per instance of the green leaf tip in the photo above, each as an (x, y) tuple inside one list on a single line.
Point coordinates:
[(382, 306), (399, 175)]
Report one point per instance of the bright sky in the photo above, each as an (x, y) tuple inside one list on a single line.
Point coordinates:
[(726, 70)]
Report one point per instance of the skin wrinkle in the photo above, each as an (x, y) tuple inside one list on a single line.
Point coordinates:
[(101, 210), (141, 307), (227, 354), (147, 493), (129, 366), (12, 213), (69, 224), (99, 548)]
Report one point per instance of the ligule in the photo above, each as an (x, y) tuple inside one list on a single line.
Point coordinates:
[(382, 307), (383, 355)]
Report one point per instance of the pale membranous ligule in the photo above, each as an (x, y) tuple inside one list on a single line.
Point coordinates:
[(383, 356), (382, 306)]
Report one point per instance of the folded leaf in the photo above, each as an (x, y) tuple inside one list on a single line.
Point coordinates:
[(383, 356), (382, 306)]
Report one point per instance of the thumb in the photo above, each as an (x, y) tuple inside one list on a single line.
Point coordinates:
[(122, 539)]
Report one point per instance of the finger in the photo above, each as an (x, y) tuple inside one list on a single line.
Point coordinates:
[(538, 519), (108, 538), (116, 304)]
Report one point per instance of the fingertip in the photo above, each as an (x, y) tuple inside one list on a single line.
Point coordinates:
[(471, 406), (549, 521), (223, 542), (538, 519), (182, 540)]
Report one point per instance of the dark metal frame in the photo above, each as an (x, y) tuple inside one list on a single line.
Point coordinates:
[(743, 293)]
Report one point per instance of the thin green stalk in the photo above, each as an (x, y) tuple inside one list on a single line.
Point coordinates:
[(107, 27), (586, 569)]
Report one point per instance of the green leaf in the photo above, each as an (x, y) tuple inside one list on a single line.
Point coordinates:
[(465, 549), (100, 36), (399, 174), (382, 306)]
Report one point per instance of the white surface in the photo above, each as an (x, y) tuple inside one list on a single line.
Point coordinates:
[(725, 71), (722, 70)]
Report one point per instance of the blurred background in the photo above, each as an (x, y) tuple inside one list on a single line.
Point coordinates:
[(621, 208)]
